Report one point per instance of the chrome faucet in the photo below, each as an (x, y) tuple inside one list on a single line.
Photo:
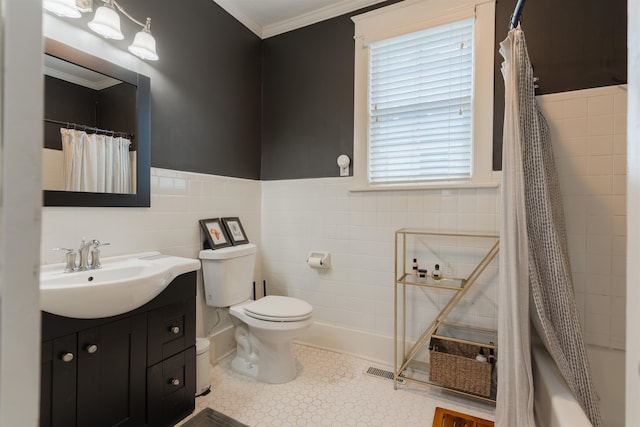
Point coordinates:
[(70, 257), (86, 248), (95, 253), (83, 263)]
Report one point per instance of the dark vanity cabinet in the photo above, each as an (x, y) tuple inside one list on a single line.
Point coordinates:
[(134, 369)]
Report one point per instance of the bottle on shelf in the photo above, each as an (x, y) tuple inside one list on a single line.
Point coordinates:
[(414, 271), (436, 274), (422, 273), (481, 357)]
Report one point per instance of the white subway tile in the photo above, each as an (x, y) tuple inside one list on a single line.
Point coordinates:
[(600, 165), (600, 125), (599, 225), (600, 105), (598, 145), (575, 108), (599, 284), (620, 185), (620, 144), (620, 124), (574, 128), (579, 284), (619, 225), (618, 285), (601, 339), (599, 245), (599, 184), (597, 324), (598, 304), (552, 110), (619, 246), (619, 164)]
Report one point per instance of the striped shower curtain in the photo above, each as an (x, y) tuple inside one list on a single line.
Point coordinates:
[(535, 272)]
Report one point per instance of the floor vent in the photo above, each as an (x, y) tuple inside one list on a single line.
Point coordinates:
[(381, 373)]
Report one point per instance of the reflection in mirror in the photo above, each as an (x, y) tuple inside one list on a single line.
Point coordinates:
[(96, 142), (89, 139)]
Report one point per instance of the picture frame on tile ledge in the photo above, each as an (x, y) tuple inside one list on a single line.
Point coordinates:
[(215, 233), (235, 230)]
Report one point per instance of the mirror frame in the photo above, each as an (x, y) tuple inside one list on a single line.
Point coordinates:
[(142, 197)]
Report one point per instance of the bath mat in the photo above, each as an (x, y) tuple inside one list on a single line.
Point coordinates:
[(448, 418), (210, 418)]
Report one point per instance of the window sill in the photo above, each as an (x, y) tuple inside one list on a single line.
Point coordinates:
[(434, 186)]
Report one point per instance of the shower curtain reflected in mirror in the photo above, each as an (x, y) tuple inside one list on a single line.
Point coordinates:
[(95, 163)]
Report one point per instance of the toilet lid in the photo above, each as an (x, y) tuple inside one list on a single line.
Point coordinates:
[(279, 309)]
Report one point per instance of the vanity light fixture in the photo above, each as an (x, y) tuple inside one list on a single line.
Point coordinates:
[(64, 8), (106, 22)]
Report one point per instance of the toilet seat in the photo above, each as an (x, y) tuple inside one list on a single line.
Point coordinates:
[(275, 308)]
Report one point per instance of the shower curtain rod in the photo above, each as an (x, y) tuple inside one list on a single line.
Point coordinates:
[(515, 18), (70, 125)]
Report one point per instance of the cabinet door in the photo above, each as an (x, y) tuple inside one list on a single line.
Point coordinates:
[(111, 374), (171, 389), (58, 382)]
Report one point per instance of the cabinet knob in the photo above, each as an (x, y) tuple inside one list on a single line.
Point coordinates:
[(175, 330), (91, 348), (66, 357), (174, 382)]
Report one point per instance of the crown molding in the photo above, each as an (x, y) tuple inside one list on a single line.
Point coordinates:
[(327, 12), (316, 16), (231, 9)]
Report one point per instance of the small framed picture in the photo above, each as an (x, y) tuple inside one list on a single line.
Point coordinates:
[(215, 233), (235, 230)]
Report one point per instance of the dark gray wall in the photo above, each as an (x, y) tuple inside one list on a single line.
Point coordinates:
[(307, 100), (206, 94), (205, 89), (572, 44), (308, 77)]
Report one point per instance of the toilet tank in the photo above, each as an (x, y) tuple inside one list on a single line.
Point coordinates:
[(227, 274)]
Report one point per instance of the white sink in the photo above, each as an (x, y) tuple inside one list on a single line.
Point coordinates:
[(124, 283)]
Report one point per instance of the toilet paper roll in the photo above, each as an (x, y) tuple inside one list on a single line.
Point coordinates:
[(315, 262)]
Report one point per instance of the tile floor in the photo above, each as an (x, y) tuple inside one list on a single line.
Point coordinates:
[(331, 389)]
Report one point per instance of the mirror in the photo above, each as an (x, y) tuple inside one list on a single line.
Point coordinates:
[(88, 96)]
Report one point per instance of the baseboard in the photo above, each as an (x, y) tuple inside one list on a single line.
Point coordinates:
[(365, 345)]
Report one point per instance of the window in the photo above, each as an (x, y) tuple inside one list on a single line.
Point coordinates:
[(424, 95)]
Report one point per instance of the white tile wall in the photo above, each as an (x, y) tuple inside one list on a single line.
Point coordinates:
[(300, 216), (178, 201), (588, 130), (170, 225)]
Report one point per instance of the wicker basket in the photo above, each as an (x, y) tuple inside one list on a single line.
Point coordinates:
[(453, 364)]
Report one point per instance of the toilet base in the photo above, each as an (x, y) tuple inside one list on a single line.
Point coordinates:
[(268, 362)]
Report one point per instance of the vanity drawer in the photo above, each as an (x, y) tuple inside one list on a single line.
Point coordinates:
[(170, 331), (171, 387)]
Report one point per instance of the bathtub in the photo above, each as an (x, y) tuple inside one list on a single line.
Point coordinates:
[(554, 404)]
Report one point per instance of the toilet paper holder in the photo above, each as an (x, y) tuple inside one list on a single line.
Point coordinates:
[(319, 259)]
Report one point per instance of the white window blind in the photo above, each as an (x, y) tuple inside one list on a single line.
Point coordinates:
[(420, 105)]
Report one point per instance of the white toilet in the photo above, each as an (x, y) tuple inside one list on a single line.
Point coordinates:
[(264, 329)]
